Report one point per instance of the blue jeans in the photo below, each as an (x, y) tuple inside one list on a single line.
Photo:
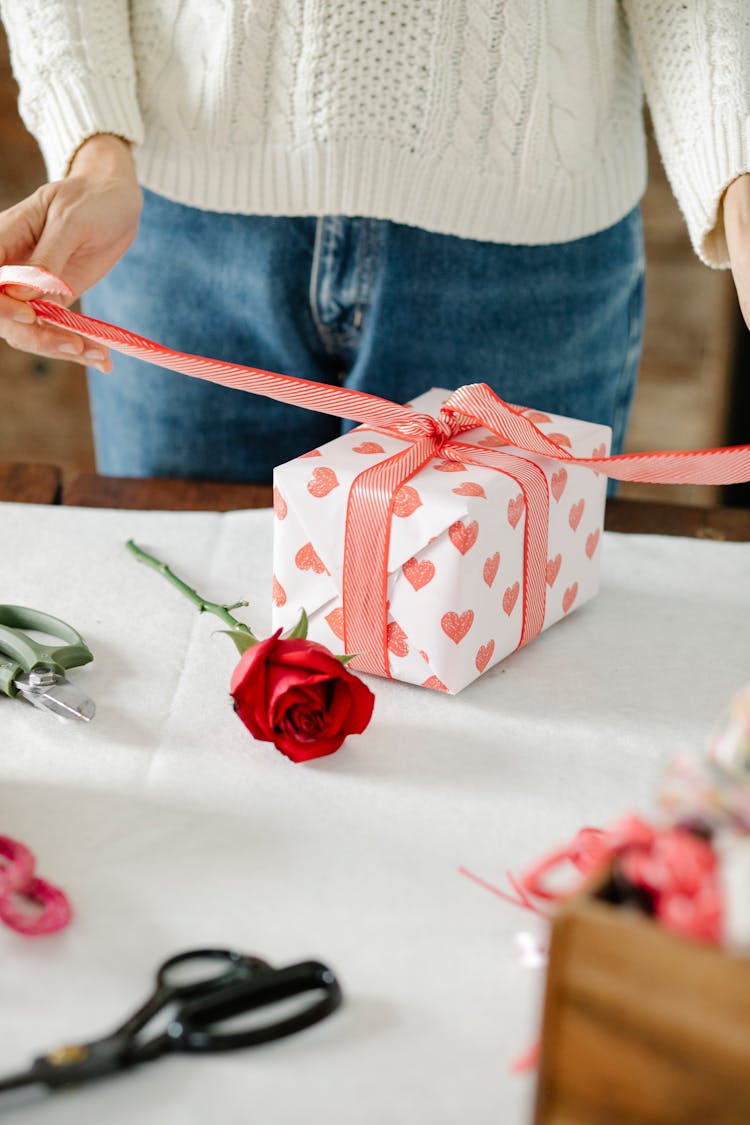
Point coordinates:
[(371, 304)]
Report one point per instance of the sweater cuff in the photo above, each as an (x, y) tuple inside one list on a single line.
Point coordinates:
[(73, 109), (705, 174)]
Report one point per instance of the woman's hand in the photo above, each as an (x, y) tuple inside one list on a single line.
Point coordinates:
[(737, 229), (77, 228)]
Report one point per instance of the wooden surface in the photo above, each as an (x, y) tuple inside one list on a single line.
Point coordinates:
[(29, 483), (640, 1027), (44, 484), (88, 490)]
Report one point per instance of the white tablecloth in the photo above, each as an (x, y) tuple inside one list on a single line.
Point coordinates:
[(171, 828)]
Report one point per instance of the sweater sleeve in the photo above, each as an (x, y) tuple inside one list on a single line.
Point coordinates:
[(694, 56), (74, 66)]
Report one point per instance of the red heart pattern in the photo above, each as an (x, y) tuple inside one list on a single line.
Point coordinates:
[(368, 447), (307, 558), (279, 505), (575, 514), (278, 593), (322, 482), (312, 453), (448, 466), (417, 573), (553, 569), (406, 501), (559, 480), (335, 621), (489, 570), (560, 439), (515, 510), (536, 416), (510, 597), (398, 642), (434, 683), (492, 442), (592, 542), (463, 536), (484, 655), (457, 625), (569, 596), (469, 488)]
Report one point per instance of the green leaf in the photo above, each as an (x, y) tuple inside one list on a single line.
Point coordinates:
[(299, 632), (242, 640), (347, 657)]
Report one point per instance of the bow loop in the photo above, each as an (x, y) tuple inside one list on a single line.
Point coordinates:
[(477, 403)]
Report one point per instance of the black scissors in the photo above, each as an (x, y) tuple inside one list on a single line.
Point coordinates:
[(205, 988)]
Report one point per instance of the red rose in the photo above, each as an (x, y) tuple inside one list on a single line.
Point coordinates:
[(296, 694)]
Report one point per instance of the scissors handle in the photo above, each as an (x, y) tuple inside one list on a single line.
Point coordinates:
[(19, 652), (197, 1026)]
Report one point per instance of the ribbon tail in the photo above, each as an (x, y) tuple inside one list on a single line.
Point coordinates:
[(728, 465), (342, 402), (358, 406)]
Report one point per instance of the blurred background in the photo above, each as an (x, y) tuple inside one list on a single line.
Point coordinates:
[(694, 388)]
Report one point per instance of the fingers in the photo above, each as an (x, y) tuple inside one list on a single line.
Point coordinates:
[(76, 228), (22, 231), (21, 226), (737, 230), (739, 253), (15, 311), (21, 328), (57, 245), (40, 230)]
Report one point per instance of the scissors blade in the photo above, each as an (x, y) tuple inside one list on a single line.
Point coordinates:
[(16, 1081), (51, 692)]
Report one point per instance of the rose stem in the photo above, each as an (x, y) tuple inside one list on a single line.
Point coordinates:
[(221, 611)]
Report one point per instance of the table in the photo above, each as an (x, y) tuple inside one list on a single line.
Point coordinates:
[(170, 828)]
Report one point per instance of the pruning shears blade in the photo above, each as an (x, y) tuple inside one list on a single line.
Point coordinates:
[(51, 692)]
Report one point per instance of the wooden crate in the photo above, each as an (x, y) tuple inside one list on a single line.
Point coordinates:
[(641, 1027)]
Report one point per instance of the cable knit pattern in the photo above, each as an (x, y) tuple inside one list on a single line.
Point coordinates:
[(509, 120), (695, 62)]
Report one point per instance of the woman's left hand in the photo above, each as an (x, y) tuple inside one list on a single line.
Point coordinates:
[(737, 228)]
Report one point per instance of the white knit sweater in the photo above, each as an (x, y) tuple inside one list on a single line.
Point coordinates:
[(508, 120)]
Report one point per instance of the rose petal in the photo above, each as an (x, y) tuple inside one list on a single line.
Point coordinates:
[(280, 701), (296, 694), (307, 751)]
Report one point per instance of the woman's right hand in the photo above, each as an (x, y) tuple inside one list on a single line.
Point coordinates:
[(77, 228)]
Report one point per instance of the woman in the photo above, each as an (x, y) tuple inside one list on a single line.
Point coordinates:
[(388, 196)]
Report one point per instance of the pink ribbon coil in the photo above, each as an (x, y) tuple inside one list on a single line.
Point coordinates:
[(29, 905)]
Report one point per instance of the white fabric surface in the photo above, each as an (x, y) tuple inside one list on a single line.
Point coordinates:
[(170, 828)]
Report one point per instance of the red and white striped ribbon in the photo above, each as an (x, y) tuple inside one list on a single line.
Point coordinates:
[(374, 490)]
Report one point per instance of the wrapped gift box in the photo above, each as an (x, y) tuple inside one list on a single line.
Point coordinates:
[(455, 584), (640, 1026)]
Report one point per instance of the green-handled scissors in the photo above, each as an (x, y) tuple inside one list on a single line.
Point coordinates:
[(36, 670)]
